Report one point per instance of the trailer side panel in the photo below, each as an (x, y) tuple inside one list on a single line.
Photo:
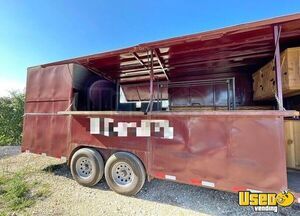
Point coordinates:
[(227, 152)]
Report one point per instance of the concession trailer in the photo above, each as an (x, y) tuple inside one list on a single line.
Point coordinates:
[(217, 109)]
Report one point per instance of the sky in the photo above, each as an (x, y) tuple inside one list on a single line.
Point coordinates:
[(34, 32)]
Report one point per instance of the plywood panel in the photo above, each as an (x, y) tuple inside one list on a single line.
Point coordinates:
[(289, 144), (292, 142), (264, 80)]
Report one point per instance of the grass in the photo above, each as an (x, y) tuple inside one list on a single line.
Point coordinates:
[(43, 191), (17, 194)]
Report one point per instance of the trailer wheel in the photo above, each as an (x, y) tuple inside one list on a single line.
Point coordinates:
[(87, 166), (125, 173)]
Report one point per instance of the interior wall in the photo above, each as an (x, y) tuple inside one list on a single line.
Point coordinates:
[(91, 92), (292, 103), (203, 96)]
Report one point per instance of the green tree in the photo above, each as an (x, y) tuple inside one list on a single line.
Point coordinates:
[(11, 118)]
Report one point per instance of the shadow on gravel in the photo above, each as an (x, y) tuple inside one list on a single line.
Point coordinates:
[(59, 169), (195, 198), (63, 170)]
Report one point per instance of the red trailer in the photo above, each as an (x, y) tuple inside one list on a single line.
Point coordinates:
[(180, 109)]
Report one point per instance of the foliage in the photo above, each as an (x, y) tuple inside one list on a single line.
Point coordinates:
[(11, 118), (17, 194)]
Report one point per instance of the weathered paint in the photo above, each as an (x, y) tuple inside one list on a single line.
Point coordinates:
[(225, 149), (220, 151)]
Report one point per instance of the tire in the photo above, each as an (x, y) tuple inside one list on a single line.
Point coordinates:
[(125, 173), (87, 166)]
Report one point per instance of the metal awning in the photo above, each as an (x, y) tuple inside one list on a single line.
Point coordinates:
[(241, 48)]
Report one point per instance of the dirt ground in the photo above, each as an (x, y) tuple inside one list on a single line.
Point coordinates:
[(156, 198)]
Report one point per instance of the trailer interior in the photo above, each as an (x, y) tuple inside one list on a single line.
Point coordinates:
[(205, 72)]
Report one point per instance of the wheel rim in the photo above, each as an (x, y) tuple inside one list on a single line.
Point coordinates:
[(84, 167), (122, 174)]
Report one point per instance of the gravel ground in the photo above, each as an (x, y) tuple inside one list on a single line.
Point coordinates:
[(9, 151), (156, 198)]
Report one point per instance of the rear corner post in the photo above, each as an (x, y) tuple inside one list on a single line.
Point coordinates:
[(117, 94), (276, 37), (151, 73)]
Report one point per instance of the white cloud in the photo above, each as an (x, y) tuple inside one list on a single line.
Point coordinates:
[(7, 85)]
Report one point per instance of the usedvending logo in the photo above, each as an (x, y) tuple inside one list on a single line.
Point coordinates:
[(144, 128), (266, 202)]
